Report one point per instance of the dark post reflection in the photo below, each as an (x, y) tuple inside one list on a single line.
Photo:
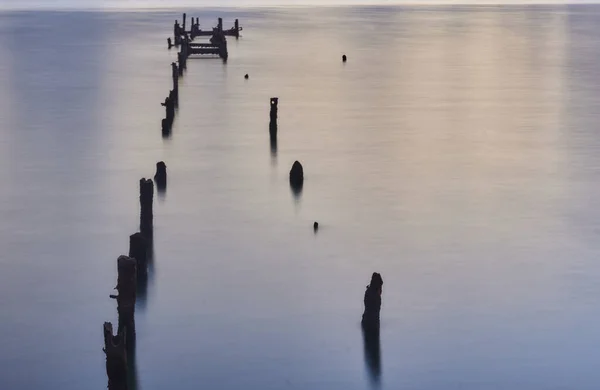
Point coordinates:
[(372, 354)]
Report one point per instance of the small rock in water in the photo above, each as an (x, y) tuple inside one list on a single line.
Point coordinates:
[(344, 58), (316, 226), (246, 76)]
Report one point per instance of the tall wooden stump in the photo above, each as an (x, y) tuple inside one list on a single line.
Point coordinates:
[(138, 250), (116, 358), (146, 199), (160, 178), (127, 292), (236, 26), (273, 117), (372, 300)]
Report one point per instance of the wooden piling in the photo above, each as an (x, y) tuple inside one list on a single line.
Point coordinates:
[(372, 301), (146, 198), (236, 27), (184, 22), (220, 25), (273, 116), (116, 357), (160, 178), (127, 289), (138, 250)]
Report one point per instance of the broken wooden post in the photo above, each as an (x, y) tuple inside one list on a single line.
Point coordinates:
[(166, 129), (372, 300), (138, 250), (273, 116), (161, 176), (246, 76), (127, 287), (169, 43), (116, 358), (184, 21), (236, 27), (146, 198), (220, 25), (316, 226), (344, 58)]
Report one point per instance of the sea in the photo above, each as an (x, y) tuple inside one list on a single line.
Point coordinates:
[(456, 152)]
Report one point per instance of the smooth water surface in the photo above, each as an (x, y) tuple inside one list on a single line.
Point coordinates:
[(457, 152)]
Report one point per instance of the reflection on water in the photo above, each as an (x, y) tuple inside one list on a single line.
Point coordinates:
[(456, 151)]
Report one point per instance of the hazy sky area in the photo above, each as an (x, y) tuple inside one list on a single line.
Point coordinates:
[(103, 4)]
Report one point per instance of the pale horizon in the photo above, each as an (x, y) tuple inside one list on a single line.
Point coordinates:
[(167, 4)]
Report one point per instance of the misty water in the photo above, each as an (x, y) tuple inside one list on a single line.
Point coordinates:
[(457, 152)]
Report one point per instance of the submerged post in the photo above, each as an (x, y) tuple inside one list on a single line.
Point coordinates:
[(138, 250), (161, 176), (146, 198), (116, 358), (372, 300), (126, 286), (273, 117)]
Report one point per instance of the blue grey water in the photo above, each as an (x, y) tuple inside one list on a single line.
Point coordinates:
[(457, 152)]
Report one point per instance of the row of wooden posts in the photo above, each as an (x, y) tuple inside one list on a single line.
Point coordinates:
[(133, 269)]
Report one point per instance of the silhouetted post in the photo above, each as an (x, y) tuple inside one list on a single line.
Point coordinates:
[(273, 117), (223, 48), (180, 61), (169, 43), (126, 286), (161, 176), (297, 177), (184, 22), (138, 251), (236, 26), (175, 76), (116, 358), (146, 198), (344, 58), (316, 226), (220, 25), (372, 300), (177, 33), (166, 129), (246, 76)]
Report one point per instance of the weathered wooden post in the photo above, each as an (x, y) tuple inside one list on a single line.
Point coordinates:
[(315, 226), (370, 326), (146, 198), (138, 250), (297, 177), (175, 76), (273, 116), (169, 43), (236, 26), (344, 58), (177, 33), (220, 25), (161, 176), (223, 49), (166, 130), (116, 357), (372, 300), (127, 288), (184, 22)]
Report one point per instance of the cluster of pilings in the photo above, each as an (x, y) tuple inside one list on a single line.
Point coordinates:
[(217, 44), (132, 274)]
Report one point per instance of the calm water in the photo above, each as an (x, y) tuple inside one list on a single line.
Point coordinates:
[(457, 152)]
